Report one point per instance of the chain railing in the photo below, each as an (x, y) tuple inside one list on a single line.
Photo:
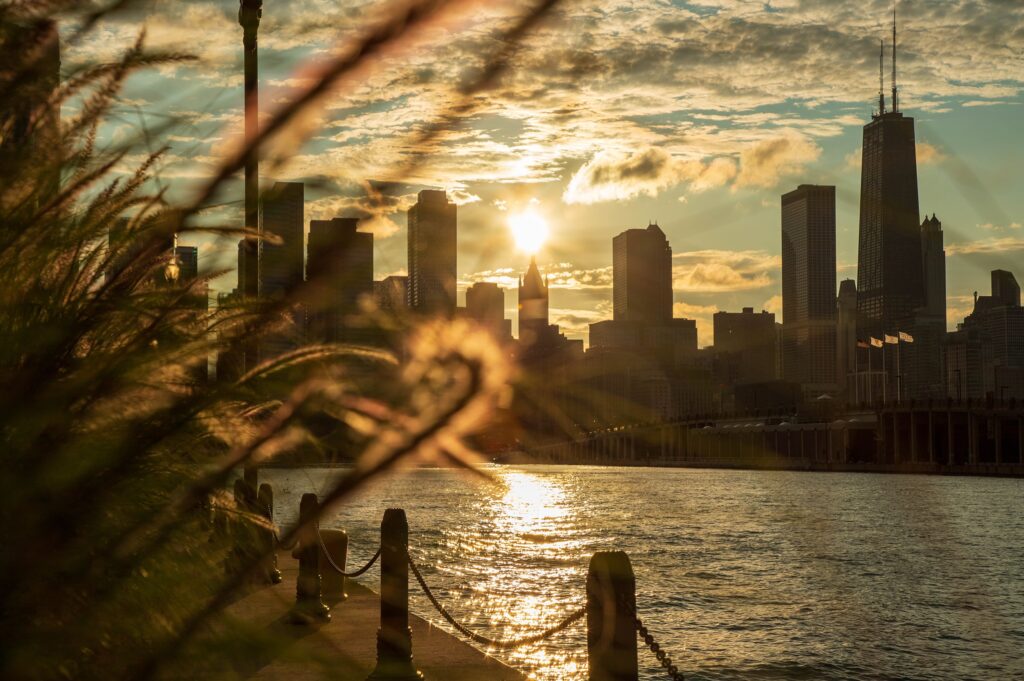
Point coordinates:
[(507, 644), (663, 659), (327, 554)]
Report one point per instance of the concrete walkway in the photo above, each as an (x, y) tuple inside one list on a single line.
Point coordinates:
[(349, 640)]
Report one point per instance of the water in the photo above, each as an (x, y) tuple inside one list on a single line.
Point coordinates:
[(740, 574)]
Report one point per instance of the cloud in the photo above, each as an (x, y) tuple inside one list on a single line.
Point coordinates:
[(767, 162), (703, 315), (928, 154), (774, 305), (616, 177), (559, 275), (986, 246), (989, 227), (716, 271)]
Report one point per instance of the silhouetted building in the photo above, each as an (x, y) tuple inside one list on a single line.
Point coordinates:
[(485, 303), (432, 254), (340, 272), (188, 262), (923, 372), (392, 293), (642, 271), (533, 307), (282, 262), (744, 350), (230, 361), (846, 339), (985, 355), (808, 287)]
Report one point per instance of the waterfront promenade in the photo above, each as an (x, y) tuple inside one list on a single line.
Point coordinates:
[(349, 640)]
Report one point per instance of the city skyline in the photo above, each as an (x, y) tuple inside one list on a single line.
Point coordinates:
[(728, 148)]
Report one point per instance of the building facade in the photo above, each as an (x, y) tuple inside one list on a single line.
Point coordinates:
[(642, 276), (809, 287), (432, 254), (485, 304), (340, 273)]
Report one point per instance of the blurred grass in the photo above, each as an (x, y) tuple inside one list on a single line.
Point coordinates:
[(115, 445)]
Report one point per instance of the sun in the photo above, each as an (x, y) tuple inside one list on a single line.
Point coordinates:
[(530, 231)]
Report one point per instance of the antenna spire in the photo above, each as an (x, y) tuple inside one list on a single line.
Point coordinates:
[(881, 77), (895, 96)]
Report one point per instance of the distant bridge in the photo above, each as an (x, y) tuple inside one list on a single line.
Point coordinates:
[(940, 436)]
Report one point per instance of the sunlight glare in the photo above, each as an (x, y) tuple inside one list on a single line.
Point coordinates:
[(530, 231)]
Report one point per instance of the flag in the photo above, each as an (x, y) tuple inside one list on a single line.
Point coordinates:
[(875, 343), (906, 337), (862, 344), (891, 340)]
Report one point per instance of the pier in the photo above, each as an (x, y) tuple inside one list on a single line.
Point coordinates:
[(969, 437)]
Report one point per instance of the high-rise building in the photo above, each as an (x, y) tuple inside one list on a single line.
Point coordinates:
[(432, 254), (745, 345), (642, 273), (533, 307), (808, 287), (340, 271), (392, 293), (282, 261), (890, 278), (188, 262), (282, 264), (985, 355), (922, 374), (846, 339), (485, 303)]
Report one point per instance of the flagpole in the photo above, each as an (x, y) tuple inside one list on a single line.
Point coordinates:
[(885, 375), (899, 374), (871, 392)]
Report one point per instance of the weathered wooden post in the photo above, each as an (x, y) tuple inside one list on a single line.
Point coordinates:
[(309, 605), (333, 553), (251, 477), (394, 638), (611, 618), (268, 545)]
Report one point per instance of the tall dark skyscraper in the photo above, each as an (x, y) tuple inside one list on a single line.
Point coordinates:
[(188, 261), (282, 264), (340, 271), (432, 254), (890, 279), (809, 286), (485, 303), (922, 370), (846, 339), (642, 272)]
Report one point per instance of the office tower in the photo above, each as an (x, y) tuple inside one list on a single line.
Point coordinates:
[(533, 306), (642, 269), (282, 265), (188, 262), (392, 293), (485, 303), (890, 277), (283, 247), (432, 254), (985, 355), (846, 339), (922, 374), (808, 286), (745, 345), (340, 271), (249, 14)]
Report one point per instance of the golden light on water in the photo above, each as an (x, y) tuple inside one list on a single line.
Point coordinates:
[(529, 229)]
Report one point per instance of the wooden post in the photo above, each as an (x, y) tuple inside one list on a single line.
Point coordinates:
[(394, 638), (336, 543), (309, 605), (251, 477), (611, 618), (265, 501)]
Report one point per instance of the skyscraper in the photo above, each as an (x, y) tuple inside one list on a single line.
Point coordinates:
[(890, 277), (282, 263), (188, 262), (808, 286), (922, 368), (642, 273), (533, 307), (340, 271), (432, 254), (745, 342), (846, 339), (485, 303)]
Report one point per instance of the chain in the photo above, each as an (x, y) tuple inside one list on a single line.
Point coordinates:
[(489, 642), (323, 549), (663, 659)]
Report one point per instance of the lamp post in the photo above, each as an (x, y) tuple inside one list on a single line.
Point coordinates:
[(249, 14)]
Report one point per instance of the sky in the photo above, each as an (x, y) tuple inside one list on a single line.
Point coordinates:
[(611, 114)]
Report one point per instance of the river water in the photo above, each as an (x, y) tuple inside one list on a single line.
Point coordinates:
[(740, 574)]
